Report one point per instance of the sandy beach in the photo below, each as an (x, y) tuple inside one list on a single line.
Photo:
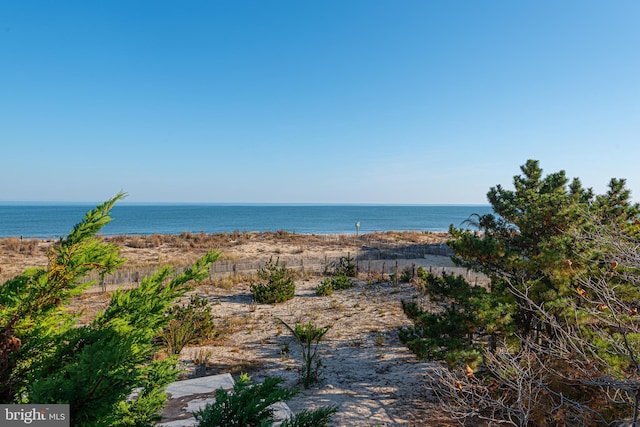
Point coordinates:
[(367, 372)]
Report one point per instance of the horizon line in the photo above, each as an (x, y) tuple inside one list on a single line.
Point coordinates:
[(156, 203)]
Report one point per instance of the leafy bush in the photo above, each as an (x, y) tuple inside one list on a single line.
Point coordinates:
[(189, 324), (248, 405), (279, 286)]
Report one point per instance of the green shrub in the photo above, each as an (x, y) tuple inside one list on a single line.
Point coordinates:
[(346, 267), (335, 283), (341, 281), (279, 286), (318, 418), (406, 275), (325, 288), (448, 333), (248, 405), (189, 324)]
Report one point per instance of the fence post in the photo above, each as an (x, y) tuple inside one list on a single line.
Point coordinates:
[(395, 277)]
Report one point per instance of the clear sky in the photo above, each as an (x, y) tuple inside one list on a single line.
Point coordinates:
[(345, 101)]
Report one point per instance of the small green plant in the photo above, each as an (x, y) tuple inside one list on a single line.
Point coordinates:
[(404, 276), (318, 418), (201, 356), (341, 281), (407, 274), (325, 288), (335, 283), (308, 336), (346, 267), (249, 405), (284, 352), (279, 286), (189, 324)]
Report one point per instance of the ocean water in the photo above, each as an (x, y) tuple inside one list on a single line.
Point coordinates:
[(51, 220)]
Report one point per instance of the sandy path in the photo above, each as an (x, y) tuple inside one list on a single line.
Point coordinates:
[(367, 372)]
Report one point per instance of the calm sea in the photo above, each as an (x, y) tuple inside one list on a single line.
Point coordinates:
[(50, 220)]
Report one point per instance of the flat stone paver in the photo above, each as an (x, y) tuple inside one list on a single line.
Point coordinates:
[(200, 385)]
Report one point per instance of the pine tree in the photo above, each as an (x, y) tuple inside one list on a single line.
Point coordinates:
[(529, 244), (557, 327)]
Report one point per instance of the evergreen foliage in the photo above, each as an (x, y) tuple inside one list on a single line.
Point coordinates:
[(341, 278), (529, 249), (316, 418), (279, 285), (325, 288), (548, 337), (341, 281), (449, 333), (346, 267), (46, 358), (248, 405), (334, 283)]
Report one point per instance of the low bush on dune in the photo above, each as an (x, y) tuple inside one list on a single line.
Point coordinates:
[(278, 286), (249, 405)]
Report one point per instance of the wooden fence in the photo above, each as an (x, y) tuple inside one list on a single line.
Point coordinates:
[(379, 259)]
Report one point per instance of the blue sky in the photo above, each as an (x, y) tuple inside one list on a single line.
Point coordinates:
[(409, 102)]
